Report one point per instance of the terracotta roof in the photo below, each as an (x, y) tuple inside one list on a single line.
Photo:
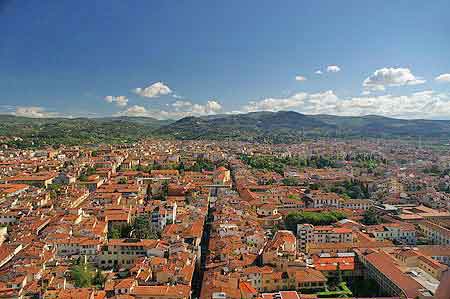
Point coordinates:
[(309, 275), (332, 263), (177, 291), (78, 293), (35, 177), (385, 264)]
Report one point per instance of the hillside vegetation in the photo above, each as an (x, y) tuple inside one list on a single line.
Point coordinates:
[(274, 127)]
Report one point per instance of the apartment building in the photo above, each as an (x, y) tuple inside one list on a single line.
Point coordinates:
[(78, 246), (381, 267), (438, 234), (282, 246), (357, 204), (319, 199), (308, 233), (37, 179), (123, 252), (403, 233)]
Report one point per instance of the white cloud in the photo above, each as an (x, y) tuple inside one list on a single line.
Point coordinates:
[(120, 101), (425, 104), (276, 104), (34, 112), (135, 110), (444, 78), (318, 72), (333, 69), (384, 77), (213, 106), (180, 104), (180, 109), (300, 78), (154, 90)]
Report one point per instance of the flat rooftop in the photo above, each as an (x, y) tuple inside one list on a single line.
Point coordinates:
[(425, 279)]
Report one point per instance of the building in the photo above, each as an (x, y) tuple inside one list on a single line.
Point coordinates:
[(281, 295), (308, 233), (123, 252), (161, 292), (319, 199), (384, 270), (282, 246), (293, 279), (403, 233), (36, 179), (437, 234), (357, 204)]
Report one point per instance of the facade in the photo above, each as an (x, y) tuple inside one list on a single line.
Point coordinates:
[(37, 180), (436, 233), (382, 268), (357, 204), (319, 199), (402, 233), (297, 279), (308, 233), (124, 252)]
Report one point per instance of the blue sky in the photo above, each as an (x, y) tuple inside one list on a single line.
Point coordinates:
[(170, 59)]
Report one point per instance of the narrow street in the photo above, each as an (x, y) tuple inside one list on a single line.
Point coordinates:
[(200, 267)]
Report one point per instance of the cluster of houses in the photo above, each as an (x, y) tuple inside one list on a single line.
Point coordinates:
[(190, 219), (128, 214)]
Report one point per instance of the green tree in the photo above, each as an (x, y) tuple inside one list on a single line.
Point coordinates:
[(144, 229), (114, 233), (370, 217), (314, 186), (201, 164), (82, 275), (339, 272), (181, 166), (120, 232), (123, 180), (290, 181), (293, 196), (90, 171), (83, 177), (315, 218), (99, 279), (165, 189), (349, 189), (55, 190)]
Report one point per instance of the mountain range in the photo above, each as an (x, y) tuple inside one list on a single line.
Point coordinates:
[(289, 125), (278, 127)]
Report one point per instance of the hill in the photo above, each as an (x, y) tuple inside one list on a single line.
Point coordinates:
[(276, 127), (255, 126), (385, 127), (53, 131), (288, 126)]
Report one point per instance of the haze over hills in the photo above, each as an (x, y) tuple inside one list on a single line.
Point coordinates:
[(281, 127)]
